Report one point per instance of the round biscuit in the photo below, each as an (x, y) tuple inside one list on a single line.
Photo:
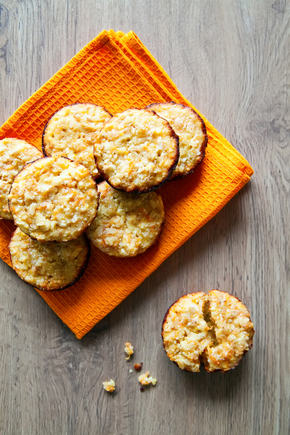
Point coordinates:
[(136, 151), (71, 132), (212, 329), (53, 199), (14, 155), (126, 224), (191, 130), (48, 265)]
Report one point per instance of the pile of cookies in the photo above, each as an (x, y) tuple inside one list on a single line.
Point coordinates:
[(57, 204)]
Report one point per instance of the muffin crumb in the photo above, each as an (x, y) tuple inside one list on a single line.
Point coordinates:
[(129, 350), (138, 366), (145, 379), (109, 386)]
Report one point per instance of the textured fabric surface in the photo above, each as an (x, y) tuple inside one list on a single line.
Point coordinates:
[(116, 70)]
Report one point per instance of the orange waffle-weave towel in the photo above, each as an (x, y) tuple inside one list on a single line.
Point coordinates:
[(117, 71)]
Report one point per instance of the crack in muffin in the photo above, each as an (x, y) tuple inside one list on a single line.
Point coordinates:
[(126, 224), (14, 155), (47, 265), (71, 132), (214, 330), (191, 130), (136, 151), (53, 199)]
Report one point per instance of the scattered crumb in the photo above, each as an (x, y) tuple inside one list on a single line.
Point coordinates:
[(109, 386), (145, 379), (129, 350), (130, 371), (138, 367)]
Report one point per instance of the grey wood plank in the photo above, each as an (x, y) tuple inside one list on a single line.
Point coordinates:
[(231, 60)]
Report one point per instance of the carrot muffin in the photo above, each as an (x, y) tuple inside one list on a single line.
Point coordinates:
[(47, 265), (14, 155), (71, 132), (53, 199), (191, 130), (126, 224), (136, 151), (212, 329)]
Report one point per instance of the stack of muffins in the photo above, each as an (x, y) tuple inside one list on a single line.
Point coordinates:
[(56, 203), (96, 182)]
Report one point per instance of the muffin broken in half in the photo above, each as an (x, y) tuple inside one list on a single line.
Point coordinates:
[(212, 329)]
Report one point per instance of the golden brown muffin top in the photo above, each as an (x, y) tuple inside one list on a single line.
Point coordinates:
[(71, 132), (136, 151), (126, 224), (191, 130), (53, 199), (14, 155), (48, 265)]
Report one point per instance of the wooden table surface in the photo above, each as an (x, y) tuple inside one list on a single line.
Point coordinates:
[(231, 60)]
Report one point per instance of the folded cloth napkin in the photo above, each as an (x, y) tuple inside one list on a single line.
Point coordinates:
[(116, 70)]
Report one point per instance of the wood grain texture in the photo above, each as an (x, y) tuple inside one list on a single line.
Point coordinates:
[(231, 60)]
